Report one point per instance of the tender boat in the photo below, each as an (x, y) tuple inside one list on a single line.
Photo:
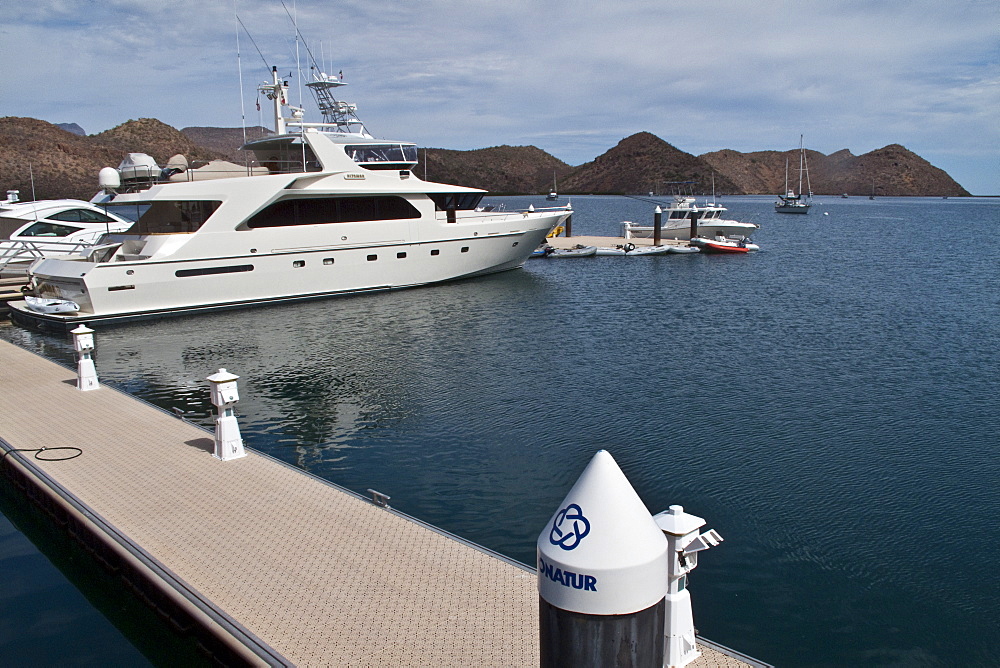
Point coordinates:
[(683, 249), (576, 251), (790, 202), (338, 212), (676, 222), (724, 245), (47, 228), (632, 249), (51, 305)]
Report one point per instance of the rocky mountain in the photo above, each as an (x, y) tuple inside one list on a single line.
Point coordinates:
[(225, 141), (64, 164), (73, 128), (500, 169), (644, 163), (58, 163), (892, 170)]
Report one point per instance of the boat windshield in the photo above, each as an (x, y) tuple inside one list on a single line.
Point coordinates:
[(456, 201), (174, 217), (382, 156)]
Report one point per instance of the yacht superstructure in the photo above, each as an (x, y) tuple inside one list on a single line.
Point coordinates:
[(336, 211)]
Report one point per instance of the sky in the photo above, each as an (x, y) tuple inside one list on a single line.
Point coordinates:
[(572, 78)]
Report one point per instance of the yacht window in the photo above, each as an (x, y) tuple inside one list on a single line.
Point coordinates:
[(43, 229), (320, 211), (80, 216), (175, 217), (678, 215), (293, 158), (394, 153), (456, 201), (211, 271)]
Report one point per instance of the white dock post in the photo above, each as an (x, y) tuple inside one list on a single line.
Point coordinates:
[(681, 530), (228, 442), (602, 574), (86, 372)]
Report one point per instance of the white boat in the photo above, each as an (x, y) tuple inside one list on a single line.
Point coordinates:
[(676, 222), (553, 194), (577, 251), (338, 212), (683, 249), (790, 202), (51, 305), (47, 228), (632, 249)]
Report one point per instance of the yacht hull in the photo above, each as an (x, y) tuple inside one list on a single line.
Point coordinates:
[(121, 292)]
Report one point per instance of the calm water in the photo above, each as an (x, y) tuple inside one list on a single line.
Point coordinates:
[(828, 404)]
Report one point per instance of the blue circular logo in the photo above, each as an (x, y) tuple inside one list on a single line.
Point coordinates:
[(569, 527)]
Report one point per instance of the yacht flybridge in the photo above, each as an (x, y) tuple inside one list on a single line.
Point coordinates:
[(328, 210)]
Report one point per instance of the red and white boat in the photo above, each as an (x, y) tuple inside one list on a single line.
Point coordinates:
[(724, 245)]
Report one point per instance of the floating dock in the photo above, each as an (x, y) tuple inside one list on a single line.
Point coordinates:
[(264, 563), (608, 242)]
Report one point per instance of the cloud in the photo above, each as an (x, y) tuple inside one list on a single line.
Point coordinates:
[(570, 77)]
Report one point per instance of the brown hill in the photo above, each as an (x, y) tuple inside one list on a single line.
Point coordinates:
[(60, 163), (644, 163), (893, 170), (499, 169), (225, 141), (148, 135), (63, 164)]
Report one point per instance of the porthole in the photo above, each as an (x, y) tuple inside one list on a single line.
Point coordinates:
[(328, 260), (435, 252), (298, 264), (465, 249), (372, 258), (400, 255)]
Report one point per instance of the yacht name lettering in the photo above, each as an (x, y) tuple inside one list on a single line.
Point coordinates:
[(567, 578)]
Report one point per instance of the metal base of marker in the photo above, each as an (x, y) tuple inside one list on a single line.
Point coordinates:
[(572, 639)]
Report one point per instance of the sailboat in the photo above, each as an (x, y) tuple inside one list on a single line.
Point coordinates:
[(553, 194), (790, 202)]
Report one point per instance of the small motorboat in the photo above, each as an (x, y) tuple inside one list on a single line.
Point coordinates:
[(724, 245), (41, 305)]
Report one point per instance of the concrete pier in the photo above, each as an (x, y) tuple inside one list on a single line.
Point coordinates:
[(266, 564)]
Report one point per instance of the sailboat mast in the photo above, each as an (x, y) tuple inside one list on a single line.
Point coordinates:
[(801, 156)]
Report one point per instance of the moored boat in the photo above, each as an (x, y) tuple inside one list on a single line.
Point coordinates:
[(790, 202), (723, 245), (632, 249), (578, 250), (47, 228), (338, 212), (676, 221)]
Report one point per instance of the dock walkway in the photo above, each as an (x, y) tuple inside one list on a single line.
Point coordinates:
[(277, 566)]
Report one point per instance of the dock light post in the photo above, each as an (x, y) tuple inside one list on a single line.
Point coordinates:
[(569, 221), (657, 224), (684, 543), (86, 372), (602, 574), (228, 443)]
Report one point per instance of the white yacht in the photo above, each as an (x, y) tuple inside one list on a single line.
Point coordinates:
[(676, 222), (46, 228), (337, 212)]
